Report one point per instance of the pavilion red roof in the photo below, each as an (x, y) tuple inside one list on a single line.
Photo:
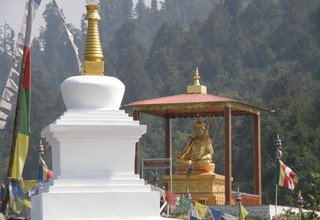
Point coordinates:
[(193, 104), (182, 98)]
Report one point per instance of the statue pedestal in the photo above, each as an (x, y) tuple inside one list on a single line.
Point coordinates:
[(205, 186), (93, 151)]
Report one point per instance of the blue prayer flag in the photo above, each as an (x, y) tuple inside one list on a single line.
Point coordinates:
[(191, 217), (216, 215)]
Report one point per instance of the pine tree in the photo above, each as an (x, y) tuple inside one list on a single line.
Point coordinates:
[(140, 9), (154, 7)]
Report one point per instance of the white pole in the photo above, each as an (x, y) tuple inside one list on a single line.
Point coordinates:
[(278, 156), (170, 174), (276, 202)]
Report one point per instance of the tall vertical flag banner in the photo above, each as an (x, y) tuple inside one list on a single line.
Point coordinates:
[(22, 118), (285, 176), (11, 88), (23, 131)]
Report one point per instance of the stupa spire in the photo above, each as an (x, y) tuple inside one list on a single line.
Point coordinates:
[(196, 87), (93, 56)]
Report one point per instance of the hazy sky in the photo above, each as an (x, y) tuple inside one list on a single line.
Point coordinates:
[(11, 12)]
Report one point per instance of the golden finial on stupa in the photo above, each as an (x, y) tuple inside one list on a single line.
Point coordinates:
[(93, 56), (196, 87)]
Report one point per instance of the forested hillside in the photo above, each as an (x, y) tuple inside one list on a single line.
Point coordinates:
[(263, 52)]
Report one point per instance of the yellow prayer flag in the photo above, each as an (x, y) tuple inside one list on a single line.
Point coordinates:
[(16, 205), (243, 212), (201, 209), (20, 155), (27, 185), (27, 202)]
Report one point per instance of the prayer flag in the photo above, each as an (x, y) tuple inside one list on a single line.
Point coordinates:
[(18, 52), (184, 203), (27, 185), (35, 191), (13, 72), (243, 212), (10, 84), (22, 140), (2, 124), (227, 216), (16, 193), (285, 176), (201, 209), (7, 94), (44, 173), (193, 214), (19, 193), (191, 217), (70, 35), (3, 115), (215, 215), (37, 3), (183, 206), (171, 198), (23, 124), (6, 105)]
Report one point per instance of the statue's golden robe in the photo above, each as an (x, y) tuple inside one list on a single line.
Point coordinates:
[(197, 156)]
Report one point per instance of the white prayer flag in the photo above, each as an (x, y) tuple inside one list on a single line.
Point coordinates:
[(227, 216), (3, 116), (7, 94), (2, 124), (18, 52), (55, 4), (15, 63), (6, 105), (20, 35), (13, 72), (23, 25), (70, 35), (36, 4), (10, 84)]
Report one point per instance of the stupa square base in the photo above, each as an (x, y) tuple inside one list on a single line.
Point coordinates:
[(208, 188), (93, 165)]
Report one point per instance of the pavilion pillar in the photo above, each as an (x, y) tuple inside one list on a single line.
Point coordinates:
[(227, 155), (137, 161), (257, 156), (168, 142)]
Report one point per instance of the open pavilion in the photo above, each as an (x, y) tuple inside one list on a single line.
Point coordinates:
[(196, 102)]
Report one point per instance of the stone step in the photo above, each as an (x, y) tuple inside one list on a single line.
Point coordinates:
[(98, 122), (121, 182), (98, 189), (96, 113)]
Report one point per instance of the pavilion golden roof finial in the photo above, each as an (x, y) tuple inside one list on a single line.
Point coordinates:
[(93, 56), (196, 87)]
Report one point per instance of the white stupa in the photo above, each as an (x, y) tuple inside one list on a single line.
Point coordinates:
[(93, 147)]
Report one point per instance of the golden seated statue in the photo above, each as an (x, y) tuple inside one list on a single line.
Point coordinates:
[(197, 156)]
